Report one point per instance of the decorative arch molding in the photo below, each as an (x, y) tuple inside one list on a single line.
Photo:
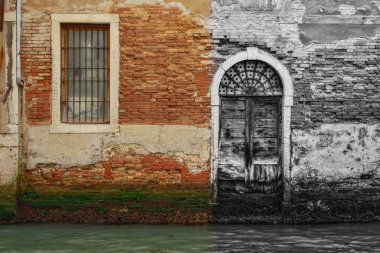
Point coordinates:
[(253, 53)]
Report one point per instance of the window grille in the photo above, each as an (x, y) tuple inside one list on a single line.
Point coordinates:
[(250, 78), (85, 95)]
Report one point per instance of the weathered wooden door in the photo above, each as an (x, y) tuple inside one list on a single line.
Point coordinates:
[(249, 144)]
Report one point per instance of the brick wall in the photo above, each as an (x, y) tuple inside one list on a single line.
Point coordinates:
[(164, 67), (338, 83), (333, 82), (36, 66), (164, 64), (164, 80)]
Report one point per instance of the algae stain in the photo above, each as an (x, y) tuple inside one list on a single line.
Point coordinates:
[(7, 201)]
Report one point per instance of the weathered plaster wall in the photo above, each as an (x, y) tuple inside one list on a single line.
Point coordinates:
[(329, 21), (330, 33), (8, 92), (276, 29), (138, 155), (337, 151), (334, 66), (9, 116), (336, 173), (8, 158), (164, 70), (339, 7), (65, 149), (10, 5)]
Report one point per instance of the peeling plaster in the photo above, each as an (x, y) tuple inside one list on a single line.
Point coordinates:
[(336, 151), (273, 29), (333, 33), (196, 163), (343, 7), (82, 149), (248, 5), (8, 158), (346, 9)]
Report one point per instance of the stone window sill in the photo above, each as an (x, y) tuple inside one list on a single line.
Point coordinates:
[(84, 128)]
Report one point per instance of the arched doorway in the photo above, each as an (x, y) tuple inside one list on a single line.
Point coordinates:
[(250, 128), (251, 98)]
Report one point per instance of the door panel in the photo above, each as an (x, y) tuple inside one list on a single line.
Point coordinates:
[(265, 123), (261, 132), (232, 139), (249, 145), (265, 144), (233, 123), (231, 172), (232, 133)]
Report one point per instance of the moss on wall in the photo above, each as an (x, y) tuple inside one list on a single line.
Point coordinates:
[(7, 202), (170, 205)]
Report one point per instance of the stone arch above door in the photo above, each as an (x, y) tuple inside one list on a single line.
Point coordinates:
[(256, 54)]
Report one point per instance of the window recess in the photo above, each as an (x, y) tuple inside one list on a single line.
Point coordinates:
[(85, 73)]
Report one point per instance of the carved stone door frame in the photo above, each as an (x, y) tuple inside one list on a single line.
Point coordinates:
[(253, 53)]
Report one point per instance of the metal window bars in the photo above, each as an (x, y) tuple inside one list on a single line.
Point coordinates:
[(85, 94), (251, 78)]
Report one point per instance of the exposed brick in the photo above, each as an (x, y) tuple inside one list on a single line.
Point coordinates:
[(164, 74), (163, 79)]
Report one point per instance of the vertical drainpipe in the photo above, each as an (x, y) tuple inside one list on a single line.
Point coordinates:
[(19, 80), (20, 85)]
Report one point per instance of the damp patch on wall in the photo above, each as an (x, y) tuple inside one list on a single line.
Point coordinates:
[(335, 151)]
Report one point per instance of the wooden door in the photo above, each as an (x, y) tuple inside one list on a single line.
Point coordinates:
[(249, 146)]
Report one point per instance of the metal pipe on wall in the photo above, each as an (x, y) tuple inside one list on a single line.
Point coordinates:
[(20, 83), (19, 80)]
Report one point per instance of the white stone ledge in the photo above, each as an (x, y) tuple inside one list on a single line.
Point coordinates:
[(83, 129), (85, 18)]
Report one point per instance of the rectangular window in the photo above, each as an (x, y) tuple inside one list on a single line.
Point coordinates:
[(85, 68)]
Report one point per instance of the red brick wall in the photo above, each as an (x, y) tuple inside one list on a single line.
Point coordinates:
[(36, 67), (163, 79), (164, 74)]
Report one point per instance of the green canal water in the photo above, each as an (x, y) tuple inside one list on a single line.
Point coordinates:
[(69, 238)]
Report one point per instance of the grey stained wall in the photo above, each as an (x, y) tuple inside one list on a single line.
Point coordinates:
[(334, 63)]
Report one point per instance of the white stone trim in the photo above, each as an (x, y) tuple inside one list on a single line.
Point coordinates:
[(12, 105), (242, 56), (113, 19), (10, 16), (253, 53), (94, 18)]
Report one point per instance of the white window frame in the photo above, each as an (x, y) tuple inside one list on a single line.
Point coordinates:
[(113, 20)]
